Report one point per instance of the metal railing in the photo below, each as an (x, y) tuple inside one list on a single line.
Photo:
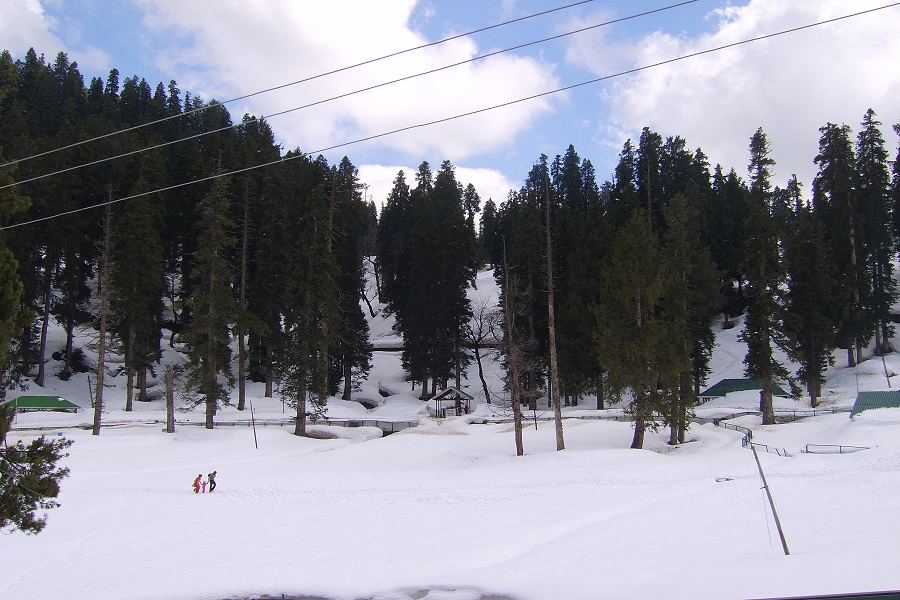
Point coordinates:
[(747, 440), (832, 449)]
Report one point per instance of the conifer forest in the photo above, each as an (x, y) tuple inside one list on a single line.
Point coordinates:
[(194, 229)]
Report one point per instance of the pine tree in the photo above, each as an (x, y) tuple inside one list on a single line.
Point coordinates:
[(809, 321), (29, 475), (873, 182), (764, 275), (835, 199), (214, 308), (351, 349), (428, 260), (310, 301), (631, 339), (895, 192), (692, 301), (139, 292)]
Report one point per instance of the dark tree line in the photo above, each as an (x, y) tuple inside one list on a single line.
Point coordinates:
[(268, 263), (645, 263)]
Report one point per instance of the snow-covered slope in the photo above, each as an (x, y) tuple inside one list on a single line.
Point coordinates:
[(446, 511)]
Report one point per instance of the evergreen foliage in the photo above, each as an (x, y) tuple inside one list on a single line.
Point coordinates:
[(641, 264), (214, 308), (762, 264)]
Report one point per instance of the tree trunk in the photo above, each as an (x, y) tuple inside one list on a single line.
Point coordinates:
[(70, 336), (242, 349), (348, 381), (129, 370), (640, 424), (302, 375), (813, 389), (600, 399), (170, 399), (142, 384), (484, 385), (270, 368), (553, 388), (45, 325), (103, 290), (515, 390)]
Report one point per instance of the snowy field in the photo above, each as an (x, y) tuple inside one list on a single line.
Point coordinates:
[(446, 511)]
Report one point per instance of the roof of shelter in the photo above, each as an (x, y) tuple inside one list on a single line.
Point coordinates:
[(872, 400), (726, 386), (42, 403), (443, 394)]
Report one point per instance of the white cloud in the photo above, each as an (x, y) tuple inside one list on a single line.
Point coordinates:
[(224, 49), (24, 25), (789, 85)]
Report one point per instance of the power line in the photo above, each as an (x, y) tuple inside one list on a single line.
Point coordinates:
[(304, 80), (459, 116), (348, 94)]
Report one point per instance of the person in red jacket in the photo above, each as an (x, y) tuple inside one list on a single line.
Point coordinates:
[(197, 484)]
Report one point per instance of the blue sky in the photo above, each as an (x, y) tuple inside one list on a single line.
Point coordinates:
[(790, 85)]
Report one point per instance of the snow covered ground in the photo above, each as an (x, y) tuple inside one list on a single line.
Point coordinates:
[(446, 511)]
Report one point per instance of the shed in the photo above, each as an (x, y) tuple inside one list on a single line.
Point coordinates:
[(727, 386), (35, 403), (459, 402), (872, 400)]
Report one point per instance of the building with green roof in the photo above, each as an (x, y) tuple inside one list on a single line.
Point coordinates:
[(873, 400), (35, 403), (727, 386)]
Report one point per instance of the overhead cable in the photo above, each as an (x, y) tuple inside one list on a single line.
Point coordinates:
[(348, 94), (458, 116), (304, 80)]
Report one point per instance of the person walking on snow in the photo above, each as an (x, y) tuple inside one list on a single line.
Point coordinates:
[(197, 484), (203, 484), (212, 481)]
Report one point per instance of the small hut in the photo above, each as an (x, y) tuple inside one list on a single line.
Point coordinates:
[(37, 403), (727, 386), (451, 402)]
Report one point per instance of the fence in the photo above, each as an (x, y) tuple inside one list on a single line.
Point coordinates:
[(747, 440), (386, 426), (832, 449)]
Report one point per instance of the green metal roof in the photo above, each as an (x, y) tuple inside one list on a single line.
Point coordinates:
[(871, 400), (42, 403), (726, 386)]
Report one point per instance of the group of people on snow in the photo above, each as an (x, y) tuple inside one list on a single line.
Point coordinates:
[(199, 483)]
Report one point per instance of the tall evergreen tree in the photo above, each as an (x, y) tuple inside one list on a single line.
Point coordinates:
[(763, 267), (139, 292), (809, 320), (310, 302), (214, 308), (835, 199), (873, 188), (631, 339), (351, 349)]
